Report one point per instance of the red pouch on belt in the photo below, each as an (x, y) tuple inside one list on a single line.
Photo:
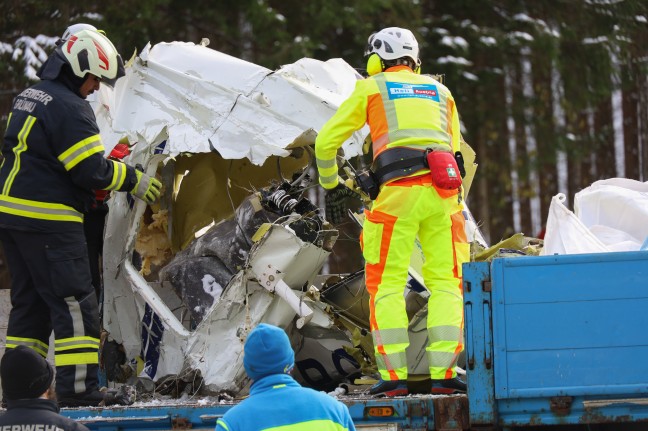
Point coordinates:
[(444, 170)]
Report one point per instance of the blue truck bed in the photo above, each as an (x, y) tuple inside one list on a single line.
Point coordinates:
[(553, 340), (558, 339)]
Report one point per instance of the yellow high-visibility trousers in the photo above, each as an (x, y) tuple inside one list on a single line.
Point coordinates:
[(404, 209)]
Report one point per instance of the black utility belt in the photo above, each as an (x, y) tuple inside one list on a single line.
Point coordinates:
[(402, 162)]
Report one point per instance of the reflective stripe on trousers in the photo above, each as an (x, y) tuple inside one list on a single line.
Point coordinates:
[(400, 213), (37, 345), (448, 338)]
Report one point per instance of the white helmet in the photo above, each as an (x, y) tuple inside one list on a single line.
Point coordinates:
[(392, 43), (89, 51), (75, 28)]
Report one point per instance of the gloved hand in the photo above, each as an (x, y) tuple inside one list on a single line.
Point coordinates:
[(147, 188), (335, 202)]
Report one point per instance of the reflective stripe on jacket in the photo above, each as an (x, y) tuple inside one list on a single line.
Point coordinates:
[(391, 104), (53, 158)]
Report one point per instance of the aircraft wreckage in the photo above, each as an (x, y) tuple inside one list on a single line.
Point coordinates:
[(238, 237)]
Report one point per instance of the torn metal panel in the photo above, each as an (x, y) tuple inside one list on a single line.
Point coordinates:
[(245, 304), (200, 272), (204, 101), (210, 341)]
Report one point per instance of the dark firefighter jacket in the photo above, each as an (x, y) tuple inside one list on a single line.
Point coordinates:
[(53, 159), (36, 415)]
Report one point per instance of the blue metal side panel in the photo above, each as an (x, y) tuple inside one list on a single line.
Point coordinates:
[(570, 339), (479, 358), (582, 410), (407, 413), (570, 325), (117, 418)]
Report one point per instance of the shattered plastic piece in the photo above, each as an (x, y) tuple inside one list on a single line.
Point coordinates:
[(207, 101)]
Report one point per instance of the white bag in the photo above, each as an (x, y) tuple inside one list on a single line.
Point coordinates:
[(566, 234), (618, 209), (610, 215)]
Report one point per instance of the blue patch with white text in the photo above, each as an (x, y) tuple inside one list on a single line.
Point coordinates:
[(399, 90)]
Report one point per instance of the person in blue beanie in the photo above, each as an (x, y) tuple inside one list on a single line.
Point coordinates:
[(276, 400)]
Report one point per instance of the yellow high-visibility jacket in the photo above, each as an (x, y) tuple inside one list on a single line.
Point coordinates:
[(402, 109)]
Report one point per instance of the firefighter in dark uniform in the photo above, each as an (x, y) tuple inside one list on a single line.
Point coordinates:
[(53, 159)]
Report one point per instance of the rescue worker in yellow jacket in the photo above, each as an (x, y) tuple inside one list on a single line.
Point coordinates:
[(415, 133), (53, 159)]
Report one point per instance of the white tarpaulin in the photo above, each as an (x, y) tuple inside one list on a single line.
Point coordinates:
[(609, 215)]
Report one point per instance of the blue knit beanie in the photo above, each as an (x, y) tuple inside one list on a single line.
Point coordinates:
[(267, 351)]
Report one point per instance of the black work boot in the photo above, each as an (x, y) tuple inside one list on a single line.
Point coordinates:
[(389, 388), (448, 386)]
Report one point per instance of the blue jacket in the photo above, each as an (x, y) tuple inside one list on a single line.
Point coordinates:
[(279, 402)]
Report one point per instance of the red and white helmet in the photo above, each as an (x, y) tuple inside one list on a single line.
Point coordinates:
[(392, 43), (75, 28), (89, 51)]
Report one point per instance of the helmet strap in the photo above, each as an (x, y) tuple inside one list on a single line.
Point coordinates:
[(417, 68)]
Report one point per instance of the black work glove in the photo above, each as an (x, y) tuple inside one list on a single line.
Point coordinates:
[(335, 202)]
